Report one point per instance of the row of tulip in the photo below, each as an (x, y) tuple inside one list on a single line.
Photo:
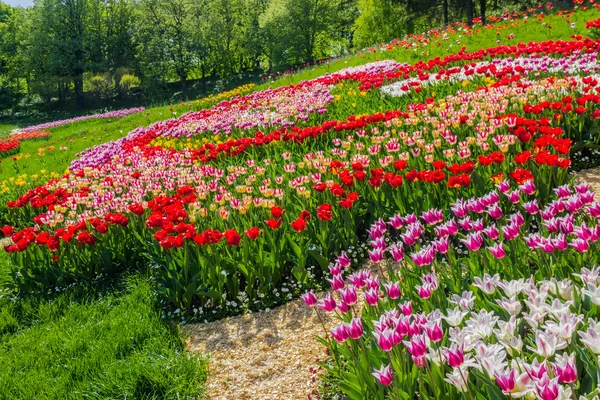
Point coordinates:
[(293, 105), (54, 124)]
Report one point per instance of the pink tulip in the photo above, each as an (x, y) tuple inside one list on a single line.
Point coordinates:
[(514, 196), (349, 295), (328, 303), (434, 332), (309, 298), (406, 308), (503, 186), (339, 333), (343, 307), (335, 269), (372, 297), (385, 339), (359, 278), (492, 232), (580, 245), (563, 191), (424, 292), (343, 260), (506, 381), (417, 346), (392, 289), (594, 210), (548, 389), (528, 188), (376, 255), (337, 282), (396, 222), (383, 375), (454, 355), (531, 207), (442, 245), (497, 250), (432, 216), (355, 328), (397, 251), (566, 369), (473, 241), (495, 212), (510, 231), (419, 361)]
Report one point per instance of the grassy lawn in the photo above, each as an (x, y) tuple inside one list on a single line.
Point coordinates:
[(94, 346)]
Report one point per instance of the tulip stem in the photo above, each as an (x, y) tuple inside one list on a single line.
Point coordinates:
[(322, 324), (466, 383), (434, 388)]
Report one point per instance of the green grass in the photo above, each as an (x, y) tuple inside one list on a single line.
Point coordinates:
[(105, 347)]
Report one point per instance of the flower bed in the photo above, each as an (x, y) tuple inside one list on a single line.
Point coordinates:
[(235, 200), (437, 327)]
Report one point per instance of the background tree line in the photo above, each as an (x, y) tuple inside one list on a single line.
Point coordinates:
[(82, 52)]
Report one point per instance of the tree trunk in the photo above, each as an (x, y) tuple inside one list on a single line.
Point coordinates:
[(184, 87), (470, 12), (78, 83), (445, 10), (482, 5)]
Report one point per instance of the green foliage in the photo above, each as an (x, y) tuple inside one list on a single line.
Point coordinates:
[(100, 85), (94, 347), (377, 22), (129, 81)]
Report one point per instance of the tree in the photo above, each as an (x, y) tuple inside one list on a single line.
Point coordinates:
[(64, 23), (377, 22), (165, 38)]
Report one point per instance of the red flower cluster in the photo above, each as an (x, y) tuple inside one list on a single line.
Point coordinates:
[(9, 146), (30, 135)]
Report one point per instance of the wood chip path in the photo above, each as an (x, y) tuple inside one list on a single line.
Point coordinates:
[(266, 355)]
